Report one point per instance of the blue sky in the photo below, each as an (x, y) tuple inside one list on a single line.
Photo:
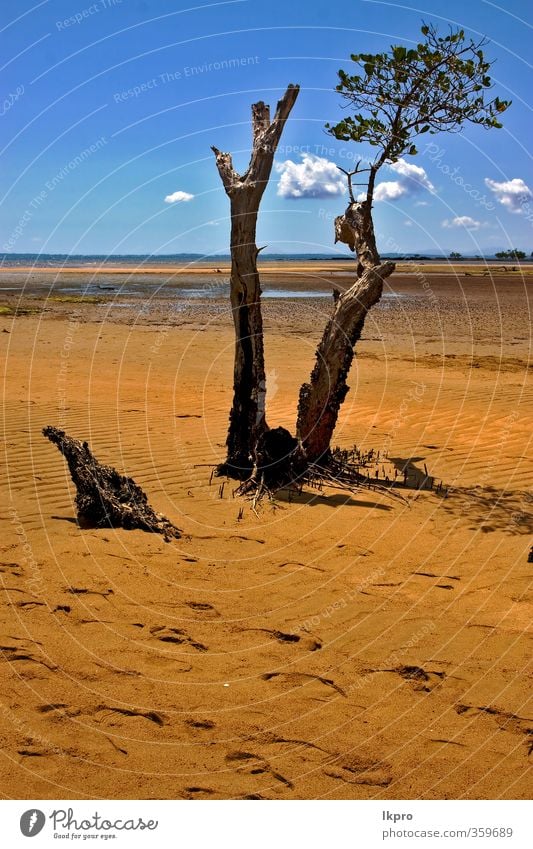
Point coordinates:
[(110, 107)]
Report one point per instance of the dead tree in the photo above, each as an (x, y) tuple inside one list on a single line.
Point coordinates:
[(105, 497), (247, 417)]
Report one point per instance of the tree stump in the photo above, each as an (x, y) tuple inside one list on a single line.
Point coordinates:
[(105, 497)]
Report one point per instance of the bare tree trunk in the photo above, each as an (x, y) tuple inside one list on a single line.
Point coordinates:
[(320, 399), (247, 416)]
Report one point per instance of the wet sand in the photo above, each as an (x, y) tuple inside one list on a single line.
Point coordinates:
[(335, 646)]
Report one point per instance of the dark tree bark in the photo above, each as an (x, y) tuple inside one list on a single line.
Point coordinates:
[(104, 496), (320, 399), (355, 229), (247, 417)]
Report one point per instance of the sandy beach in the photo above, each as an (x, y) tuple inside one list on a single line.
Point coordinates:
[(333, 646)]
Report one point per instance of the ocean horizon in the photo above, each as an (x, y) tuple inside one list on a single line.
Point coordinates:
[(39, 260)]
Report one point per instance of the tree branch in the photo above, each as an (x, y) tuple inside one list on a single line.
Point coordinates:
[(230, 178), (271, 134), (260, 119), (266, 136)]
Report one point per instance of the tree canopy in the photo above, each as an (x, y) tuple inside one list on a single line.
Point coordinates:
[(436, 86), (512, 254)]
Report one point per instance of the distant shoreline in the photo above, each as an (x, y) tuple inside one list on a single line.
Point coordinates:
[(269, 267)]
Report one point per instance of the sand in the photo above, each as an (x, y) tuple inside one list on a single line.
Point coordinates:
[(335, 646)]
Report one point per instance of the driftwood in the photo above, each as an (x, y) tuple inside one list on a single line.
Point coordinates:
[(247, 416), (321, 398), (104, 496)]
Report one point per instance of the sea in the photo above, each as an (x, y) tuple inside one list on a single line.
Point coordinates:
[(212, 285), (12, 260)]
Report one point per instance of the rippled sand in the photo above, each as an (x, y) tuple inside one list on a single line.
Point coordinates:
[(333, 647)]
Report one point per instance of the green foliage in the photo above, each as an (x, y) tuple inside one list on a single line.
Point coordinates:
[(436, 86), (76, 299), (11, 309), (512, 254), (455, 255)]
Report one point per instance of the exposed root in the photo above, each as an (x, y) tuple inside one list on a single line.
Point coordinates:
[(343, 475), (340, 469)]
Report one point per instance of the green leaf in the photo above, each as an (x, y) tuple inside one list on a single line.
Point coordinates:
[(437, 85)]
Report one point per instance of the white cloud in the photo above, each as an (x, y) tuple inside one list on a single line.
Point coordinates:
[(421, 203), (462, 221), (412, 179), (313, 177), (178, 197), (408, 223), (513, 194), (413, 176)]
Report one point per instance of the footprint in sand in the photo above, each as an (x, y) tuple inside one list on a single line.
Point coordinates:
[(23, 652), (201, 724), (198, 792), (419, 678), (203, 609), (252, 764), (310, 644), (301, 678), (14, 570), (178, 636), (505, 720), (104, 713), (33, 753), (359, 770)]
